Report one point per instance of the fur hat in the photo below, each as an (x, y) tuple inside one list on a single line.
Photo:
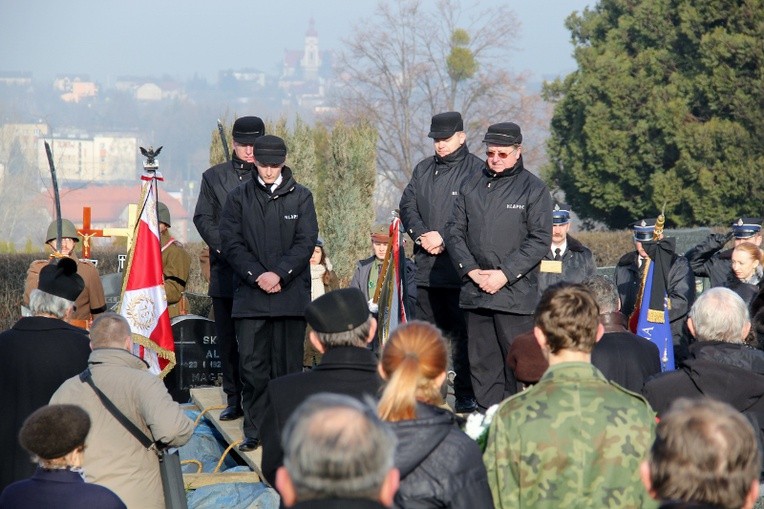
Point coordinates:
[(53, 431)]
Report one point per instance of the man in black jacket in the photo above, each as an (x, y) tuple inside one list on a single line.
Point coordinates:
[(341, 328), (680, 287), (707, 258), (425, 207), (499, 231), (623, 357), (568, 260), (217, 182), (268, 231), (720, 365)]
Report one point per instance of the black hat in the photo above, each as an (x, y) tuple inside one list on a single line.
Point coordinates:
[(247, 129), (643, 229), (270, 149), (503, 134), (62, 279), (444, 125), (746, 227), (561, 214), (338, 311), (54, 431)]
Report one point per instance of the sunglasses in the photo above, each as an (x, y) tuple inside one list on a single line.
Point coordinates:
[(501, 155)]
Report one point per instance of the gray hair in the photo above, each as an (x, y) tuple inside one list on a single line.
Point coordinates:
[(109, 330), (336, 446), (604, 291), (44, 303), (719, 314), (353, 337)]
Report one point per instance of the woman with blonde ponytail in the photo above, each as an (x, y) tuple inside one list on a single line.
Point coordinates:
[(440, 466)]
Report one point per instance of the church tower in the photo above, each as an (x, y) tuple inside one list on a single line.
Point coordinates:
[(311, 60)]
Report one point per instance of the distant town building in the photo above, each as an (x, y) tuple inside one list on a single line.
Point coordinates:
[(75, 88), (100, 158), (17, 79)]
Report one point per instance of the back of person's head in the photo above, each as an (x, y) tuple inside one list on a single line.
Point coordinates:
[(604, 291), (336, 447), (109, 330), (43, 303), (569, 317), (340, 318), (413, 362), (53, 431), (705, 451), (719, 314)]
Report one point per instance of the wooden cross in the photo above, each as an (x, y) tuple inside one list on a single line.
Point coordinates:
[(87, 233), (129, 232)]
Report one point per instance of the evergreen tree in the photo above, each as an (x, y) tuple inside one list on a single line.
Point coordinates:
[(666, 108)]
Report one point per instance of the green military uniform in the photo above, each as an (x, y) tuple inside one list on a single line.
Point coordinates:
[(176, 265), (574, 440)]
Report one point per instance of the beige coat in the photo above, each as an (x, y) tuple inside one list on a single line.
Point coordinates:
[(114, 458)]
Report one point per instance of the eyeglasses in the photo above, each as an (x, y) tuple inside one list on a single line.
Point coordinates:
[(501, 155)]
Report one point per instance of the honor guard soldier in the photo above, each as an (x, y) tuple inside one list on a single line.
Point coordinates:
[(567, 260)]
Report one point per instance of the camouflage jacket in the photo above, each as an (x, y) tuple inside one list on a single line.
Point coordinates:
[(573, 440)]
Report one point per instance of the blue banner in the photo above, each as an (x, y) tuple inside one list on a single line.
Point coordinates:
[(650, 327)]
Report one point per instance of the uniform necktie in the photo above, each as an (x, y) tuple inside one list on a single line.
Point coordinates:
[(557, 254)]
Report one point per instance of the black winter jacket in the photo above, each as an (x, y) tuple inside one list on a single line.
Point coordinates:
[(440, 466), (426, 205), (681, 289), (708, 260), (270, 232), (217, 182), (501, 221), (577, 265)]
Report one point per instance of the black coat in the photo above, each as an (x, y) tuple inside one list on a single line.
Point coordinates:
[(623, 357), (729, 372), (217, 182), (708, 260), (426, 205), (339, 503), (39, 354), (440, 466), (343, 370), (577, 265), (681, 289), (264, 231), (501, 221)]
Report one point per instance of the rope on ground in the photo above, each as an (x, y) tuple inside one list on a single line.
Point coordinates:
[(225, 453), (198, 464), (205, 410)]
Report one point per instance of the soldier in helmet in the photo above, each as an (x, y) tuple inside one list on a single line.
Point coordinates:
[(92, 300), (176, 265)]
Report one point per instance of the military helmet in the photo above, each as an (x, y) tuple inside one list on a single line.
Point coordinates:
[(68, 231), (164, 213)]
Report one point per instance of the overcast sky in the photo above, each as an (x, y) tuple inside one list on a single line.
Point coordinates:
[(109, 38)]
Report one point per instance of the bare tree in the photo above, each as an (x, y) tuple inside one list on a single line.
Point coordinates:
[(410, 62)]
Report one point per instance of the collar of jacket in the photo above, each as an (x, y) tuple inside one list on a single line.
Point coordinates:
[(506, 173), (454, 157), (241, 166), (574, 244), (287, 183), (614, 322), (572, 371), (631, 259), (343, 357), (116, 357)]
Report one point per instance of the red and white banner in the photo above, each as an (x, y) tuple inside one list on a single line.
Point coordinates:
[(393, 300), (143, 302)]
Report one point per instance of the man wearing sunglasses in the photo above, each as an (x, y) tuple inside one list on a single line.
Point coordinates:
[(499, 231), (425, 206)]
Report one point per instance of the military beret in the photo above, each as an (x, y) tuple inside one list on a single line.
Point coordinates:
[(338, 311)]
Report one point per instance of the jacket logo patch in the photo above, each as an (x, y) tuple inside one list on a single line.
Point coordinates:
[(516, 206), (454, 193), (291, 216)]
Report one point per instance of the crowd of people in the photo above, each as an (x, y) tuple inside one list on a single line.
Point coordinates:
[(502, 295)]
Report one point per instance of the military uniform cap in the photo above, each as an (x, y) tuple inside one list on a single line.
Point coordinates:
[(338, 311), (561, 213), (380, 232), (503, 134), (68, 231), (746, 227), (270, 149), (163, 213), (62, 279), (643, 229), (247, 129), (445, 125)]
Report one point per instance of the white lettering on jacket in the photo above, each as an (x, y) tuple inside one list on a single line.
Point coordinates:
[(515, 206), (291, 216)]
